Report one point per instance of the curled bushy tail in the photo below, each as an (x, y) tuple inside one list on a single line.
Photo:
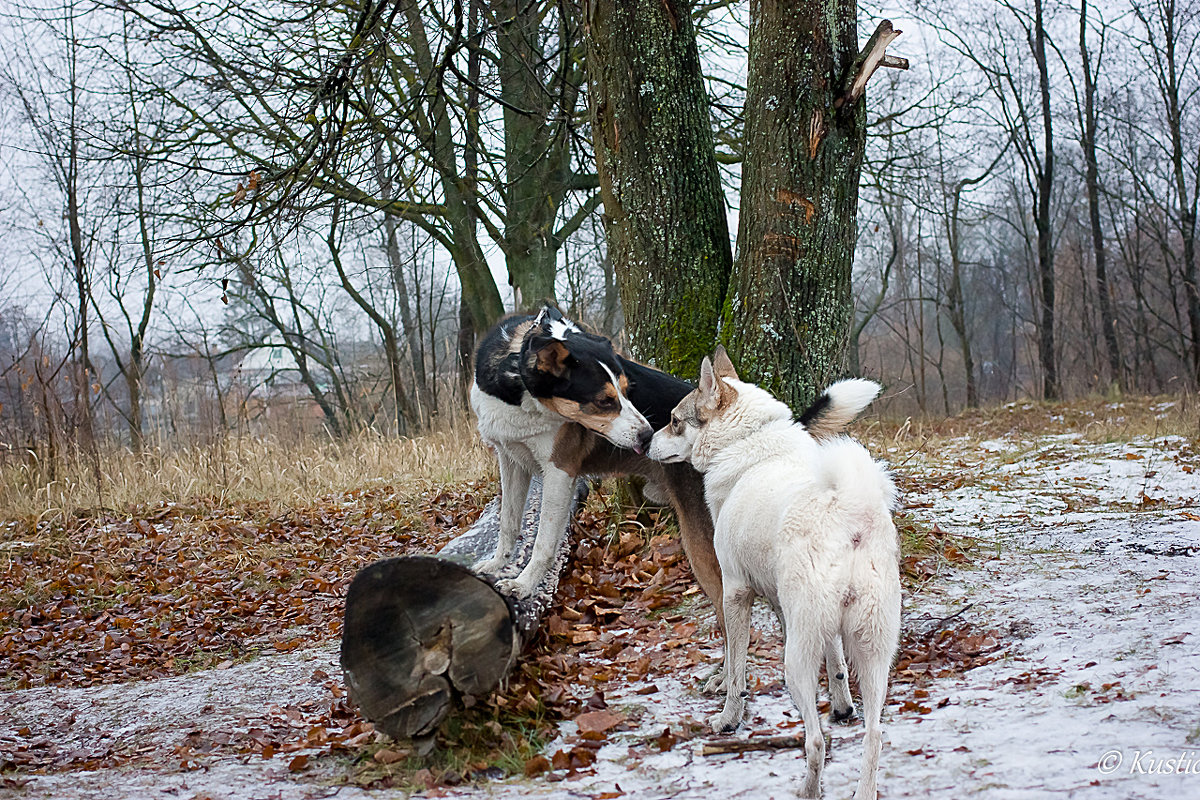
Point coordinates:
[(838, 406)]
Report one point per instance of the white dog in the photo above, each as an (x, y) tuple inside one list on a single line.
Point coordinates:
[(807, 525)]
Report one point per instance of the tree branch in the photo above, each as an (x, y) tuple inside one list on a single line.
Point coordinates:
[(873, 56)]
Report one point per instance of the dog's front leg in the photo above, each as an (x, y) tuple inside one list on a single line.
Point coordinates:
[(738, 602), (557, 489), (514, 486)]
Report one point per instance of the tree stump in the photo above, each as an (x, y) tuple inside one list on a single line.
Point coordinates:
[(422, 632)]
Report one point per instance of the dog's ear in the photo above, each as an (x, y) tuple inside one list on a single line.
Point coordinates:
[(553, 358), (722, 365), (710, 386)]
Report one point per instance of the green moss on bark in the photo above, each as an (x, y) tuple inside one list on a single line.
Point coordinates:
[(664, 207)]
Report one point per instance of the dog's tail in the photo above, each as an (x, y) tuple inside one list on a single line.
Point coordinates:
[(838, 406)]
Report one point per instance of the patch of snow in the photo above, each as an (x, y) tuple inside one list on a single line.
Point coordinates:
[(1091, 551)]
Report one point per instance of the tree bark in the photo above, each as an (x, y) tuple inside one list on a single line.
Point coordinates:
[(788, 308), (537, 158), (423, 633), (1047, 353), (479, 290), (1108, 320), (664, 209)]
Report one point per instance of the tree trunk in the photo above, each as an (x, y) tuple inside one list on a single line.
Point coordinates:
[(956, 301), (536, 155), (956, 304), (137, 347), (391, 344), (423, 632), (788, 308), (1108, 320), (1047, 354), (1174, 99), (664, 209), (412, 331), (479, 290)]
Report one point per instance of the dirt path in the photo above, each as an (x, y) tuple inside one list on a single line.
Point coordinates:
[(1080, 590)]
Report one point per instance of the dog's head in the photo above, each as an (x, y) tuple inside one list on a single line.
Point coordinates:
[(676, 441), (579, 376), (720, 410)]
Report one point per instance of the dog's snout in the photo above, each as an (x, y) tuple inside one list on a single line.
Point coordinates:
[(644, 436)]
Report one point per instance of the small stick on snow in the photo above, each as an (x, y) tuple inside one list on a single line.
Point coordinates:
[(937, 624), (723, 746)]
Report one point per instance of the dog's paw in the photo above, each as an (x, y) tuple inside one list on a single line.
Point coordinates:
[(842, 715), (725, 722), (490, 566), (514, 587)]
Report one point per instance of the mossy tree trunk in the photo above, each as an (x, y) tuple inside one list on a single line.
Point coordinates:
[(664, 210), (788, 308)]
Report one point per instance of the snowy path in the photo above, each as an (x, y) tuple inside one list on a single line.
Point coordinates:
[(1087, 561)]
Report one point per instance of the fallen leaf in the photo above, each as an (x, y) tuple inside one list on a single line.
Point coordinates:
[(536, 766), (388, 756), (598, 721)]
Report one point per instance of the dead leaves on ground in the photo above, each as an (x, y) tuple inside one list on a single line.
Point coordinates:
[(170, 588), (608, 627), (945, 651)]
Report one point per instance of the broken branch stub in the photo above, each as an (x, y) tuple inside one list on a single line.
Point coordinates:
[(423, 632), (872, 56)]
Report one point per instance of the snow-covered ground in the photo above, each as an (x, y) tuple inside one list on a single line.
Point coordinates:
[(1085, 569)]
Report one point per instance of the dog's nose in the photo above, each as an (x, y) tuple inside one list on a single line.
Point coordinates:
[(644, 437)]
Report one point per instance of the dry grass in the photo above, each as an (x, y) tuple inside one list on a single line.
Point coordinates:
[(1096, 419), (281, 470), (287, 470)]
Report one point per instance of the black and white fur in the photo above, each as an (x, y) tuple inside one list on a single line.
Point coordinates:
[(556, 401)]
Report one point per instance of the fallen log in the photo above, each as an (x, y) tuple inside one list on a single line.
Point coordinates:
[(423, 633)]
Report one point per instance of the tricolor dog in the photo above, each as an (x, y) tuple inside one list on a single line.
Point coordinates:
[(805, 524), (556, 401)]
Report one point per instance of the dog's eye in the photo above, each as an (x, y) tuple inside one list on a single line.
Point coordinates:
[(606, 403)]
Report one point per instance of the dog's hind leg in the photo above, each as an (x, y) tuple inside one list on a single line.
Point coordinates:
[(514, 488), (842, 704), (738, 601), (802, 664), (557, 489), (871, 632), (872, 670)]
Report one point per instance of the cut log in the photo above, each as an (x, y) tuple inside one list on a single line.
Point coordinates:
[(423, 633)]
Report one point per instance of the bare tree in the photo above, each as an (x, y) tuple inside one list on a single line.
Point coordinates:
[(1168, 47), (1087, 141)]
